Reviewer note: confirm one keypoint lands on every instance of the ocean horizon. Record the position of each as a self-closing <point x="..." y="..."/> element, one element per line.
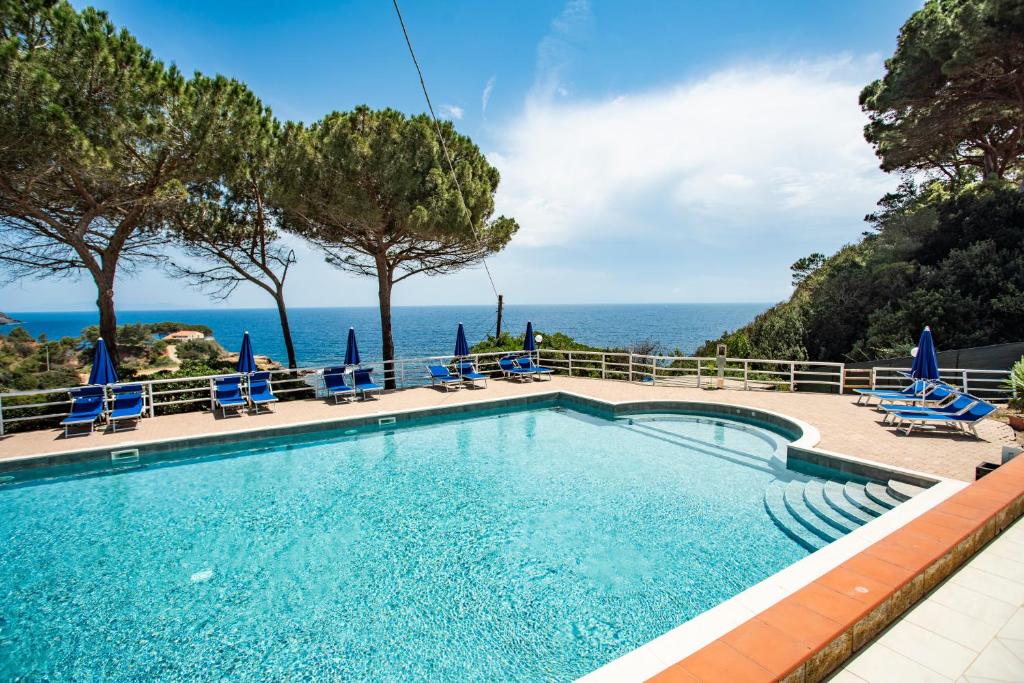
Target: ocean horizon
<point x="319" y="333"/>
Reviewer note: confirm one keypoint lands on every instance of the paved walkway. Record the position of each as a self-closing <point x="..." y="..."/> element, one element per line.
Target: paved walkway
<point x="845" y="428"/>
<point x="970" y="629"/>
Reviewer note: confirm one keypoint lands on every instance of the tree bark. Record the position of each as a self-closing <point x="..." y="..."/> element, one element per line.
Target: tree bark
<point x="108" y="317"/>
<point x="286" y="330"/>
<point x="387" y="341"/>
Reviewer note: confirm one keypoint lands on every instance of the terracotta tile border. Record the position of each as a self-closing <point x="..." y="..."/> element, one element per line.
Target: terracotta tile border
<point x="807" y="635"/>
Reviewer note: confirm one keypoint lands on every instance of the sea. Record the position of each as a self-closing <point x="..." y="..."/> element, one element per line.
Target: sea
<point x="319" y="334"/>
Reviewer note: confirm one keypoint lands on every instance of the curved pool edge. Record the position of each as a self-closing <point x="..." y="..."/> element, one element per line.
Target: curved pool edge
<point x="803" y="436"/>
<point x="687" y="638"/>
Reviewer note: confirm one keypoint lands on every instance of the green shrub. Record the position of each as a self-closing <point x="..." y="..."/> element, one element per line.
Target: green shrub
<point x="1016" y="385"/>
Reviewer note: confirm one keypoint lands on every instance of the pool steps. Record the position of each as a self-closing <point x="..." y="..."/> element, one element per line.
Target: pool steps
<point x="901" y="490"/>
<point x="835" y="494"/>
<point x="774" y="502"/>
<point x="880" y="494"/>
<point x="857" y="495"/>
<point x="814" y="512"/>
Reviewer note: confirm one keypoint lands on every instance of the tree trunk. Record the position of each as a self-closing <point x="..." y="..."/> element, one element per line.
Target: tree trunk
<point x="387" y="341"/>
<point x="108" y="318"/>
<point x="286" y="330"/>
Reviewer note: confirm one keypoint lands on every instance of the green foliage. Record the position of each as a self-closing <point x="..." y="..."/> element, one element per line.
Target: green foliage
<point x="805" y="267"/>
<point x="205" y="351"/>
<point x="1016" y="385"/>
<point x="952" y="98"/>
<point x="511" y="343"/>
<point x="230" y="224"/>
<point x="952" y="261"/>
<point x="372" y="189"/>
<point x="166" y="327"/>
<point x="27" y="364"/>
<point x="99" y="142"/>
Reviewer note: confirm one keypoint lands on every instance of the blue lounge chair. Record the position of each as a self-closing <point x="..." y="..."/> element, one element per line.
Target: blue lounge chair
<point x="966" y="420"/>
<point x="469" y="373"/>
<point x="439" y="374"/>
<point x="935" y="393"/>
<point x="510" y="369"/>
<point x="128" y="405"/>
<point x="260" y="392"/>
<point x="526" y="363"/>
<point x="959" y="405"/>
<point x="364" y="384"/>
<point x="916" y="388"/>
<point x="86" y="408"/>
<point x="227" y="393"/>
<point x="334" y="384"/>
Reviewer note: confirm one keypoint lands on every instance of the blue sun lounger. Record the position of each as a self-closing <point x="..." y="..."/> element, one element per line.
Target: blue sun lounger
<point x="961" y="404"/>
<point x="937" y="393"/>
<point x="439" y="375"/>
<point x="128" y="405"/>
<point x="966" y="421"/>
<point x="227" y="393"/>
<point x="86" y="408"/>
<point x="469" y="373"/>
<point x="364" y="384"/>
<point x="916" y="388"/>
<point x="334" y="384"/>
<point x="510" y="369"/>
<point x="526" y="363"/>
<point x="260" y="392"/>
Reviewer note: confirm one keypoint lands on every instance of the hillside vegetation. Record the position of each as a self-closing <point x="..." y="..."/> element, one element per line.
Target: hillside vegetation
<point x="945" y="249"/>
<point x="950" y="260"/>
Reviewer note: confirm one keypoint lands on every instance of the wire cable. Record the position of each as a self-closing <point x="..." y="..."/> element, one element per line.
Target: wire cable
<point x="440" y="137"/>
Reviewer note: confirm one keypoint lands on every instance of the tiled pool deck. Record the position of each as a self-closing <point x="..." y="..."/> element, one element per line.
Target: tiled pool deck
<point x="844" y="427"/>
<point x="803" y="622"/>
<point x="970" y="629"/>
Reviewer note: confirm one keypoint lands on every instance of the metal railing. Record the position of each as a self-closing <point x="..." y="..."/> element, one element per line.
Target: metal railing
<point x="182" y="394"/>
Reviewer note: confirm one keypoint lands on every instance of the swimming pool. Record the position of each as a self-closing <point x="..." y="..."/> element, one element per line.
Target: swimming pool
<point x="531" y="544"/>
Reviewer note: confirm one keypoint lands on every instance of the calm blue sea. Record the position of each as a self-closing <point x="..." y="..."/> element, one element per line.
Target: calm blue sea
<point x="319" y="333"/>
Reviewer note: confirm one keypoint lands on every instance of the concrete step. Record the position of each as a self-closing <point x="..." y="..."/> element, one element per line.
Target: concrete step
<point x="878" y="493"/>
<point x="835" y="494"/>
<point x="775" y="504"/>
<point x="901" y="490"/>
<point x="814" y="497"/>
<point x="794" y="499"/>
<point x="858" y="497"/>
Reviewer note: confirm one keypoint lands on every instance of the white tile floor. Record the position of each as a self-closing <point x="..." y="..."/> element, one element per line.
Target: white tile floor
<point x="969" y="630"/>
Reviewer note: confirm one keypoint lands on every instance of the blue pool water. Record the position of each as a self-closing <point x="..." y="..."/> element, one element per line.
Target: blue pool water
<point x="531" y="545"/>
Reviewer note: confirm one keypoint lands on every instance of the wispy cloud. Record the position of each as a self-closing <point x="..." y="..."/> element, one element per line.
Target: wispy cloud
<point x="485" y="97"/>
<point x="764" y="151"/>
<point x="451" y="111"/>
<point x="559" y="48"/>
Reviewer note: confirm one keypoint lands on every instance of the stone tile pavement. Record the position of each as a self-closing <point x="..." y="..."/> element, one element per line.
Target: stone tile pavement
<point x="970" y="629"/>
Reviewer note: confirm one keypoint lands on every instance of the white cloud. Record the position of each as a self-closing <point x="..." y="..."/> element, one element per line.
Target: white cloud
<point x="451" y="111"/>
<point x="557" y="51"/>
<point x="485" y="97"/>
<point x="743" y="152"/>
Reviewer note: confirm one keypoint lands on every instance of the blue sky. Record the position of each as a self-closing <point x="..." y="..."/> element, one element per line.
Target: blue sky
<point x="652" y="152"/>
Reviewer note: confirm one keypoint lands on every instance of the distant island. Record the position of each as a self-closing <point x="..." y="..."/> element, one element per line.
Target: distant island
<point x="7" y="320"/>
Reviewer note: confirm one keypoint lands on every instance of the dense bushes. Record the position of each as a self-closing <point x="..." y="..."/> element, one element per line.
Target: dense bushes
<point x="952" y="261"/>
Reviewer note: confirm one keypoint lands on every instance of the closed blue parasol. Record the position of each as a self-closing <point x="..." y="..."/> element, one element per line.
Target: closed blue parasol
<point x="246" y="362"/>
<point x="351" y="349"/>
<point x="461" y="347"/>
<point x="528" y="343"/>
<point x="926" y="363"/>
<point x="102" y="367"/>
